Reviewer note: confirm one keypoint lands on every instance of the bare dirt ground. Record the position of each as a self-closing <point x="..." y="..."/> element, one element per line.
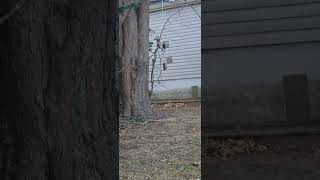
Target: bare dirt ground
<point x="168" y="147"/>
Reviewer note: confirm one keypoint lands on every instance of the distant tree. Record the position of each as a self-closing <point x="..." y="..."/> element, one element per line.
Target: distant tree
<point x="134" y="58"/>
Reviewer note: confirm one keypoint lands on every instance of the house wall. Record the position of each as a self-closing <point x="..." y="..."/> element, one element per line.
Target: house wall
<point x="248" y="48"/>
<point x="183" y="31"/>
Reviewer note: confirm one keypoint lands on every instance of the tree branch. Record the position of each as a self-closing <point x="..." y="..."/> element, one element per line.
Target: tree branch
<point x="193" y="8"/>
<point x="15" y="9"/>
<point x="132" y="4"/>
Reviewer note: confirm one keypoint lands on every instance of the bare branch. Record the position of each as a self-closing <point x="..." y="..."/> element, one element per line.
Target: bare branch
<point x="15" y="9"/>
<point x="193" y="8"/>
<point x="156" y="52"/>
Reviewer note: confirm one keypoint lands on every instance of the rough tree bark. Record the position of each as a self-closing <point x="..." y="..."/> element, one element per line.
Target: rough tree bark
<point x="59" y="106"/>
<point x="134" y="65"/>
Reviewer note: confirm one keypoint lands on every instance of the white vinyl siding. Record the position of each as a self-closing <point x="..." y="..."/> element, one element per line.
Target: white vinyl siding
<point x="183" y="31"/>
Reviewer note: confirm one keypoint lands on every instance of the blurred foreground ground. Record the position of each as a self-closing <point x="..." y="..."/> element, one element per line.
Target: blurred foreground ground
<point x="263" y="158"/>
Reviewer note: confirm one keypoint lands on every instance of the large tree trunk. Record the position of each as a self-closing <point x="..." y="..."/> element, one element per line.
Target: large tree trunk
<point x="134" y="60"/>
<point x="59" y="114"/>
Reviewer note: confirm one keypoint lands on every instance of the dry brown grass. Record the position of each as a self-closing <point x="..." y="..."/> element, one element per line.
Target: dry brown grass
<point x="165" y="148"/>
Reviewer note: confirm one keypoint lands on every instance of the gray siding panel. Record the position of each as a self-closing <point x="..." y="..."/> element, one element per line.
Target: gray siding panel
<point x="255" y="23"/>
<point x="260" y="39"/>
<point x="262" y="14"/>
<point x="239" y="28"/>
<point x="232" y="5"/>
<point x="183" y="32"/>
<point x="248" y="46"/>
